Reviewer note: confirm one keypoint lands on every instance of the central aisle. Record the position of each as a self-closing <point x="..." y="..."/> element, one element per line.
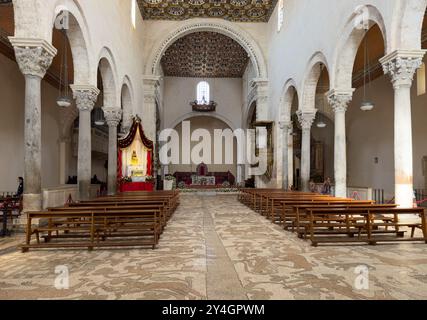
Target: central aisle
<point x="215" y="248"/>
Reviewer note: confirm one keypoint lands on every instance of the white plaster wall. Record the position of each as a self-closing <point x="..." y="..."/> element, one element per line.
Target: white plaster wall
<point x="209" y="124"/>
<point x="12" y="128"/>
<point x="179" y="92"/>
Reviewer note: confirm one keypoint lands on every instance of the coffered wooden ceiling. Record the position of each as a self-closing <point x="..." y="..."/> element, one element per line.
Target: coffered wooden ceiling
<point x="205" y="55"/>
<point x="232" y="10"/>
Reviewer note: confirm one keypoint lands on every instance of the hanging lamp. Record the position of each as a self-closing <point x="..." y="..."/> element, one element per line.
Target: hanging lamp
<point x="366" y="104"/>
<point x="64" y="99"/>
<point x="320" y="123"/>
<point x="99" y="118"/>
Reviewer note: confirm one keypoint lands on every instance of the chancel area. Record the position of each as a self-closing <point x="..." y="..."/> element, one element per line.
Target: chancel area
<point x="213" y="150"/>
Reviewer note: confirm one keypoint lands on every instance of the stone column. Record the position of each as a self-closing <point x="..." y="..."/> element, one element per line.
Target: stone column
<point x="240" y="174"/>
<point x="151" y="83"/>
<point x="261" y="87"/>
<point x="339" y="101"/>
<point x="149" y="117"/>
<point x="284" y="126"/>
<point x="261" y="96"/>
<point x="401" y="65"/>
<point x="64" y="145"/>
<point x="306" y="119"/>
<point x="34" y="57"/>
<point x="113" y="117"/>
<point x="86" y="96"/>
<point x="290" y="155"/>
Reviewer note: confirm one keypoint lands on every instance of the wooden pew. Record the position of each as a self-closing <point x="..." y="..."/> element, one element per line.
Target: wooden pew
<point x="93" y="228"/>
<point x="333" y="225"/>
<point x="132" y="219"/>
<point x="301" y="217"/>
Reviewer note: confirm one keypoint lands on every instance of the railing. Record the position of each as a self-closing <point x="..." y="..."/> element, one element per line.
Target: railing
<point x="378" y="196"/>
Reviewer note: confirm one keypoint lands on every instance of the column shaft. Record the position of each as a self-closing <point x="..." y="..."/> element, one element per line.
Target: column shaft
<point x="401" y="65"/>
<point x="112" y="160"/>
<point x="403" y="161"/>
<point x="340" y="162"/>
<point x="305" y="159"/>
<point x="84" y="158"/>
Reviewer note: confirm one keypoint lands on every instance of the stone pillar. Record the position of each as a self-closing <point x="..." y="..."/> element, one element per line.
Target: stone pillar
<point x="401" y="65"/>
<point x="339" y="101"/>
<point x="240" y="174"/>
<point x="64" y="147"/>
<point x="284" y="126"/>
<point x="261" y="96"/>
<point x="306" y="119"/>
<point x="86" y="96"/>
<point x="290" y="155"/>
<point x="34" y="57"/>
<point x="113" y="117"/>
<point x="151" y="83"/>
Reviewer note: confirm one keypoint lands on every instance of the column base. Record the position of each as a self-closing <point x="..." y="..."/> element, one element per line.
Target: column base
<point x="404" y="195"/>
<point x="84" y="190"/>
<point x="32" y="202"/>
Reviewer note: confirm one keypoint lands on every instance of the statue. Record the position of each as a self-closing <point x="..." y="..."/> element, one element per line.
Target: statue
<point x="134" y="161"/>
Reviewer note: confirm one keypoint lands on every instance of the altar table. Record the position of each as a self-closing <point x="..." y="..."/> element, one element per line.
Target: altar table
<point x="136" y="186"/>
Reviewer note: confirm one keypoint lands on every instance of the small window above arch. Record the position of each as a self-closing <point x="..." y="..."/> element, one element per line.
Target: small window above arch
<point x="203" y="92"/>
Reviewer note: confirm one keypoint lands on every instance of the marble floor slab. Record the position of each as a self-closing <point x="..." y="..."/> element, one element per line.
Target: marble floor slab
<point x="215" y="248"/>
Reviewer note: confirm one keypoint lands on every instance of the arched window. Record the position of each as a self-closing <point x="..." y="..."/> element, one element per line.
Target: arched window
<point x="203" y="94"/>
<point x="281" y="15"/>
<point x="133" y="13"/>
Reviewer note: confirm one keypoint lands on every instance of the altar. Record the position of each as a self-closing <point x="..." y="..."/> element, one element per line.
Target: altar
<point x="135" y="160"/>
<point x="203" y="181"/>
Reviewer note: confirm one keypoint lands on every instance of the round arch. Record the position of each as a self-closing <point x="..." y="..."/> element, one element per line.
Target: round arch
<point x="348" y="45"/>
<point x="224" y="27"/>
<point x="311" y="79"/>
<point x="79" y="39"/>
<point x="408" y="20"/>
<point x="198" y="114"/>
<point x="126" y="95"/>
<point x="107" y="67"/>
<point x="287" y="98"/>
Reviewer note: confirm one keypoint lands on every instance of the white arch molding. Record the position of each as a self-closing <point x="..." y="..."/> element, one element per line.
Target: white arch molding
<point x="80" y="43"/>
<point x="287" y="98"/>
<point x="191" y="115"/>
<point x="222" y="27"/>
<point x="311" y="81"/>
<point x="108" y="69"/>
<point x="346" y="50"/>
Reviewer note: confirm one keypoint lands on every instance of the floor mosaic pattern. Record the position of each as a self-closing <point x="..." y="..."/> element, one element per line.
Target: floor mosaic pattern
<point x="215" y="248"/>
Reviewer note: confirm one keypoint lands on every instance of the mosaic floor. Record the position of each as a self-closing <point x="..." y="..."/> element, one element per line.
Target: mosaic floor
<point x="215" y="248"/>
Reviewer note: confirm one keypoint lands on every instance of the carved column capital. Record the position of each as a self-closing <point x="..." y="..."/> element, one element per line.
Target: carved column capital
<point x="340" y="99"/>
<point x="306" y="118"/>
<point x="34" y="56"/>
<point x="401" y="66"/>
<point x="86" y="96"/>
<point x="112" y="116"/>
